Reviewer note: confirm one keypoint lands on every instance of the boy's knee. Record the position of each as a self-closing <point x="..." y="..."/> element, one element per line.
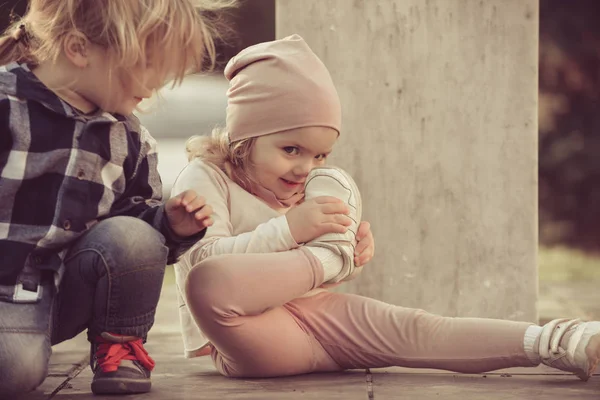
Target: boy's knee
<point x="131" y="241"/>
<point x="23" y="365"/>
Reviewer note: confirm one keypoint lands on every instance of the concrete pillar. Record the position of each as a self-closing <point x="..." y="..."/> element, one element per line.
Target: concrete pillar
<point x="440" y="130"/>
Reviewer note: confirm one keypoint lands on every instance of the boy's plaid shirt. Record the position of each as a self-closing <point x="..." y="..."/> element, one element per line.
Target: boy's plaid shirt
<point x="61" y="172"/>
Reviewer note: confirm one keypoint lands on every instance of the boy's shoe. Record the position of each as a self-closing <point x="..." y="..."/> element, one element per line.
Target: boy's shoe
<point x="120" y="364"/>
<point x="335" y="182"/>
<point x="571" y="345"/>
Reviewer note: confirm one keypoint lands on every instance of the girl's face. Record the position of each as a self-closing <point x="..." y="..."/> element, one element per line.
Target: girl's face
<point x="280" y="162"/>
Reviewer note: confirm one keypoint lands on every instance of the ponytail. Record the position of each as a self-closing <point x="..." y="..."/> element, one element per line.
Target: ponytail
<point x="15" y="46"/>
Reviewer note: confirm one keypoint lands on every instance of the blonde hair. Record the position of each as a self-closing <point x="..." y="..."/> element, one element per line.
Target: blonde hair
<point x="231" y="158"/>
<point x="175" y="36"/>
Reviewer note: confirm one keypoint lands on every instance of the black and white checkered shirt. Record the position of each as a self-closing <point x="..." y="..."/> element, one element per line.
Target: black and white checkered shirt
<point x="62" y="171"/>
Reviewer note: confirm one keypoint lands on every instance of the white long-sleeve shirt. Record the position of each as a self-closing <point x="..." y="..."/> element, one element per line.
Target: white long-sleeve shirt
<point x="242" y="224"/>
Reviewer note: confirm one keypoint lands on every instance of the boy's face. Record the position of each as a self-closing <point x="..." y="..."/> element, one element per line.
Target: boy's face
<point x="114" y="89"/>
<point x="280" y="162"/>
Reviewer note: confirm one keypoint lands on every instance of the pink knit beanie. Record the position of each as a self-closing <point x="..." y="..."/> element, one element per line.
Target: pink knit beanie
<point x="276" y="86"/>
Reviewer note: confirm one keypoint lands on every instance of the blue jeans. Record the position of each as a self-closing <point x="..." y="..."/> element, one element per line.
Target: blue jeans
<point x="112" y="283"/>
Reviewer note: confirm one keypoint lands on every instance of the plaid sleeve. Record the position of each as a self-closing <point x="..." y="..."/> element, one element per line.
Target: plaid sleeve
<point x="143" y="199"/>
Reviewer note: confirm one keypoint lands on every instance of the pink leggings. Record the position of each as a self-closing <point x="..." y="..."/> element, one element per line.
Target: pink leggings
<point x="250" y="308"/>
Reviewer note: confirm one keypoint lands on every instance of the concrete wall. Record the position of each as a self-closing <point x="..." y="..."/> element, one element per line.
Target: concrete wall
<point x="440" y="131"/>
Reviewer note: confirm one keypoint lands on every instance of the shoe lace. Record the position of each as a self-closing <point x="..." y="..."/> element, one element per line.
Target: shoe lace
<point x="109" y="355"/>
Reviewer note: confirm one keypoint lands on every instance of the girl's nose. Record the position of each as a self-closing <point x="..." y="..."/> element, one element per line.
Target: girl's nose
<point x="301" y="170"/>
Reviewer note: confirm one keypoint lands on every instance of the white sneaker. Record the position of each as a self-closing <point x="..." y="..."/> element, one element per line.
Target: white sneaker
<point x="582" y="352"/>
<point x="335" y="182"/>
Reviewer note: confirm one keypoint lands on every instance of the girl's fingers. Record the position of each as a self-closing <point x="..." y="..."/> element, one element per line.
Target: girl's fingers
<point x="327" y="199"/>
<point x="360" y="247"/>
<point x="362" y="259"/>
<point x="334" y="228"/>
<point x="341" y="219"/>
<point x="335" y="208"/>
<point x="363" y="230"/>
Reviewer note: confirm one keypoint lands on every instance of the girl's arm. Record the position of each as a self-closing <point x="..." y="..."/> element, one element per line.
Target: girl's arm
<point x="271" y="236"/>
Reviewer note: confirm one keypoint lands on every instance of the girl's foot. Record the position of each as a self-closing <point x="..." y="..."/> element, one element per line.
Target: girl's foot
<point x="571" y="345"/>
<point x="335" y="182"/>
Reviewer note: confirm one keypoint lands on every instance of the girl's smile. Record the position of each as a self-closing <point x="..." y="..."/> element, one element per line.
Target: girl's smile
<point x="291" y="185"/>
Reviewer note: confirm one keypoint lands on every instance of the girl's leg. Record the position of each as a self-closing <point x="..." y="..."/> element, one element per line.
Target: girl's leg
<point x="250" y="308"/>
<point x="360" y="332"/>
<point x="237" y="300"/>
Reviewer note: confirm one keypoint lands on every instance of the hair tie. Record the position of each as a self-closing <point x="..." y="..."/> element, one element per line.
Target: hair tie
<point x="19" y="33"/>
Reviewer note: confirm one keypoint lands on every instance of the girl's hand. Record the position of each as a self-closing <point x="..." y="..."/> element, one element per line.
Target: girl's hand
<point x="188" y="213"/>
<point x="317" y="217"/>
<point x="365" y="249"/>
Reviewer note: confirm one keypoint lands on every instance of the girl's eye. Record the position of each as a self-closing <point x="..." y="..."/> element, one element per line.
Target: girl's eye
<point x="291" y="150"/>
<point x="321" y="157"/>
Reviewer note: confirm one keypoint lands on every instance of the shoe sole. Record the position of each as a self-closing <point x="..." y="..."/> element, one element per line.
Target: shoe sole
<point x="592" y="352"/>
<point x="354" y="189"/>
<point x="120" y="386"/>
<point x="357" y="270"/>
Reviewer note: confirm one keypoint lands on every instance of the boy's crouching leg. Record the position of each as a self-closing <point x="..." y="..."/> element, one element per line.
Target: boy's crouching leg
<point x="123" y="259"/>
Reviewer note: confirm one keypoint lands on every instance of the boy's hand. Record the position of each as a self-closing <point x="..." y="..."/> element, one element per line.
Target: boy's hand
<point x="365" y="248"/>
<point x="188" y="213"/>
